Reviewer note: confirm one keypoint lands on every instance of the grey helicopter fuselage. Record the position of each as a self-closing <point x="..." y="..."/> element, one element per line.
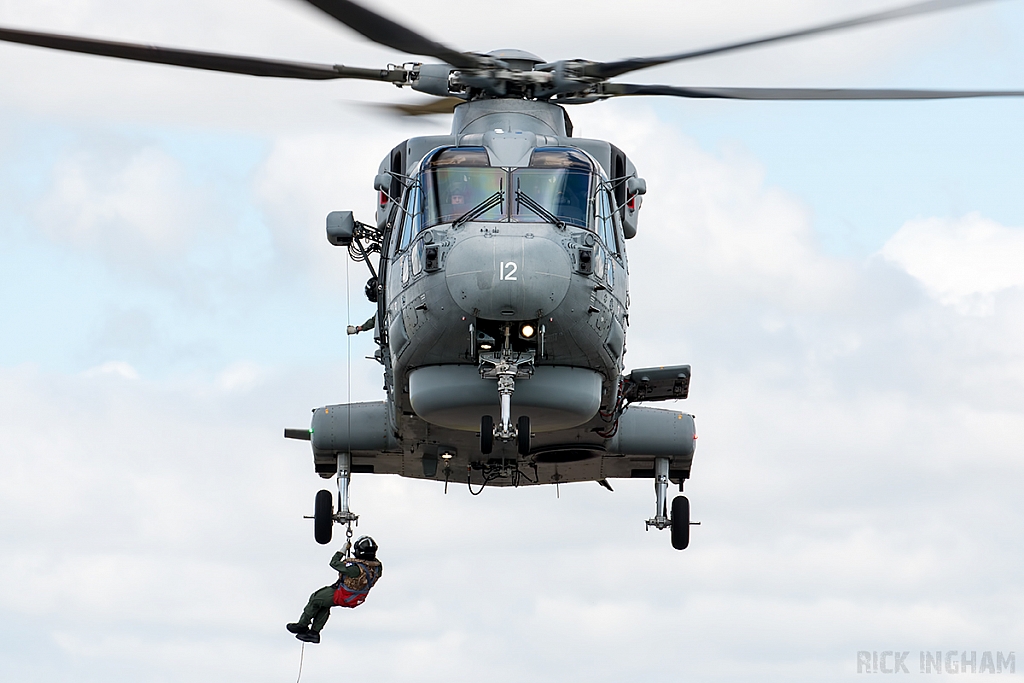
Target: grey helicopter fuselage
<point x="455" y="288"/>
<point x="539" y="275"/>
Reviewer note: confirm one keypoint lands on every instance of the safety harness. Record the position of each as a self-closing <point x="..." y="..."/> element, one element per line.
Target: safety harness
<point x="351" y="592"/>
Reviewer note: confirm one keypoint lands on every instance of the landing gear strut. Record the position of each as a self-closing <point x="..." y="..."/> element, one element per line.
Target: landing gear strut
<point x="324" y="516"/>
<point x="506" y="366"/>
<point x="506" y="370"/>
<point x="679" y="522"/>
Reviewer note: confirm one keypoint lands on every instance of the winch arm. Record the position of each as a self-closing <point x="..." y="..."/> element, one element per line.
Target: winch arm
<point x="663" y="383"/>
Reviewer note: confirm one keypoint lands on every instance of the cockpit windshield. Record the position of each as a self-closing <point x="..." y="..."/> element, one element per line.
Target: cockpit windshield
<point x="562" y="194"/>
<point x="460" y="185"/>
<point x="459" y="180"/>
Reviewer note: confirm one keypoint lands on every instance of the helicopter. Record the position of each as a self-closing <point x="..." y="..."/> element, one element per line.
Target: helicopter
<point x="497" y="263"/>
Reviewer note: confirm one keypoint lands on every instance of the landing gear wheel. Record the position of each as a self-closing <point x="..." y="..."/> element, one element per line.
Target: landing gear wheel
<point x="680" y="522"/>
<point x="523" y="435"/>
<point x="323" y="517"/>
<point x="486" y="434"/>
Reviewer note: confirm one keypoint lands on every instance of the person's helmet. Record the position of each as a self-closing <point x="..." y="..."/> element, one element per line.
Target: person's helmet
<point x="365" y="548"/>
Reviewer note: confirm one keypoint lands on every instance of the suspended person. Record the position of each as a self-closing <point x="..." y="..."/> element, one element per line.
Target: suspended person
<point x="356" y="576"/>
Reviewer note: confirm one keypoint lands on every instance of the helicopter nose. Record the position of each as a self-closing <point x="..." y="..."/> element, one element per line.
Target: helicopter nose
<point x="508" y="276"/>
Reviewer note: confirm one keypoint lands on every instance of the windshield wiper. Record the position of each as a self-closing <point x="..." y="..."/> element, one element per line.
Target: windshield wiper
<point x="535" y="206"/>
<point x="480" y="209"/>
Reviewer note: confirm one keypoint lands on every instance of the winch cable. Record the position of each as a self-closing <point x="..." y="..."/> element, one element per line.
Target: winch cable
<point x="348" y="344"/>
<point x="302" y="655"/>
<point x="348" y="377"/>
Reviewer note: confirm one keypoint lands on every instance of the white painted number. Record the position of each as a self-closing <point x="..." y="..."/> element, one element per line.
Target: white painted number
<point x="508" y="270"/>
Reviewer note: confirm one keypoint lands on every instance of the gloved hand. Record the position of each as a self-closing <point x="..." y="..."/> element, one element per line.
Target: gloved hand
<point x="353" y="329"/>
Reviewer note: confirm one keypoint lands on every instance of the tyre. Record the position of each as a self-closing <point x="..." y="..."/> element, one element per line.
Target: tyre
<point x="523" y="435"/>
<point x="486" y="434"/>
<point x="323" y="517"/>
<point x="680" y="522"/>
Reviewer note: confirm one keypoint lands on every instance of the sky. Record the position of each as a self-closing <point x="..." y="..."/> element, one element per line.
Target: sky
<point x="844" y="279"/>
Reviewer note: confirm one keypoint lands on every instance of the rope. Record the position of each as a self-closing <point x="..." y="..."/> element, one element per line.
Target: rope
<point x="302" y="655"/>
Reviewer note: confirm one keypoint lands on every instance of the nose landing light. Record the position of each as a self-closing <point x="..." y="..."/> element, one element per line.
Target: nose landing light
<point x="484" y="341"/>
<point x="527" y="331"/>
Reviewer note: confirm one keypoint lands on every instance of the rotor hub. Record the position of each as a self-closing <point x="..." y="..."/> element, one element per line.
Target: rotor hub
<point x="517" y="60"/>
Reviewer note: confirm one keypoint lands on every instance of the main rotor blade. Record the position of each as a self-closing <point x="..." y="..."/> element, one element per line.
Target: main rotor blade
<point x="444" y="105"/>
<point x="627" y="89"/>
<point x="612" y="69"/>
<point x="210" y="61"/>
<point x="384" y="31"/>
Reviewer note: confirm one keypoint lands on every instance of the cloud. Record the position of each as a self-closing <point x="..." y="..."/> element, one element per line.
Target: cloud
<point x="962" y="262"/>
<point x="122" y="202"/>
<point x="305" y="177"/>
<point x="240" y="376"/>
<point x="722" y="259"/>
<point x="117" y="368"/>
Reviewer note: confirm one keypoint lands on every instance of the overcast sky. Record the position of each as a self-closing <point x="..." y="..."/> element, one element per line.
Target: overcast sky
<point x="844" y="278"/>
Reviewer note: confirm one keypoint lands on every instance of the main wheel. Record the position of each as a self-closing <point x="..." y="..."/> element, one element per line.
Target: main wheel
<point x="323" y="517"/>
<point x="680" y="522"/>
<point x="523" y="435"/>
<point x="486" y="434"/>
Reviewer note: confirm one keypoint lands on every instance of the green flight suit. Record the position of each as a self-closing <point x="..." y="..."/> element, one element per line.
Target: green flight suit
<point x="318" y="609"/>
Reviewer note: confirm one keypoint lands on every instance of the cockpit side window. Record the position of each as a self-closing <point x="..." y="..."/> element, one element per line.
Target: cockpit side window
<point x="411" y="217"/>
<point x="604" y="221"/>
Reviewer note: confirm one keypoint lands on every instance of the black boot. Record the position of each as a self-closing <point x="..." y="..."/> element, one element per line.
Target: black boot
<point x="309" y="636"/>
<point x="296" y="628"/>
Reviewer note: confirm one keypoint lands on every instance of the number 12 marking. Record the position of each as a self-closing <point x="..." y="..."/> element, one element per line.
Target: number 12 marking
<point x="508" y="270"/>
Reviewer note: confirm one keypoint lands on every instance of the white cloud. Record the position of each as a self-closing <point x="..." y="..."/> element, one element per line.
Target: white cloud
<point x="962" y="262"/>
<point x="241" y="376"/>
<point x="103" y="200"/>
<point x="118" y="368"/>
<point x="722" y="259"/>
<point x="304" y="178"/>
